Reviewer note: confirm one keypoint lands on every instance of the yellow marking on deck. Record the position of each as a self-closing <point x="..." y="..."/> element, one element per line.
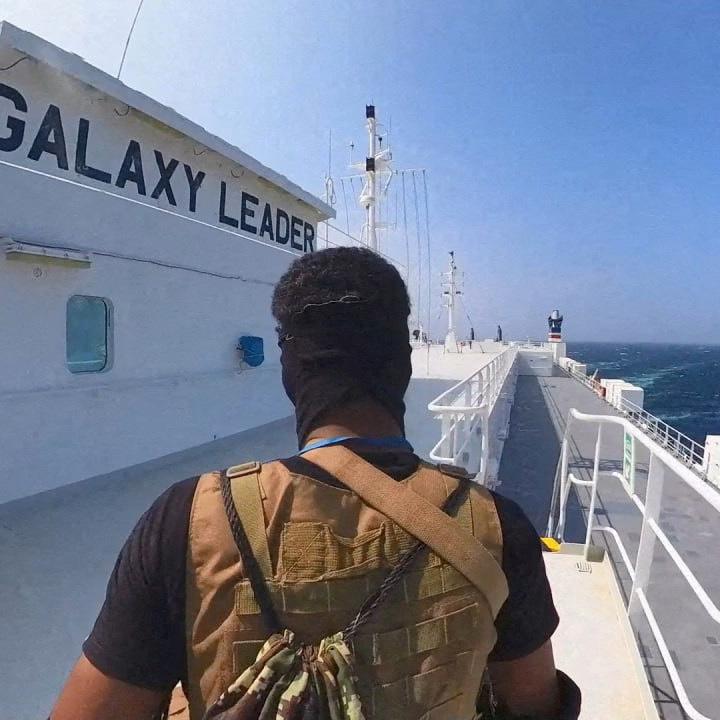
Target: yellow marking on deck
<point x="550" y="544"/>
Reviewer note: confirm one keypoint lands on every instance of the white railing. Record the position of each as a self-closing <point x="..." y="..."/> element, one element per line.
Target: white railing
<point x="529" y="344"/>
<point x="585" y="379"/>
<point x="466" y="410"/>
<point x="649" y="506"/>
<point x="684" y="448"/>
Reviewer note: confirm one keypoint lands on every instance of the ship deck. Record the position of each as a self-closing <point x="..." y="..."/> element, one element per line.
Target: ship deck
<point x="59" y="547"/>
<point x="529" y="460"/>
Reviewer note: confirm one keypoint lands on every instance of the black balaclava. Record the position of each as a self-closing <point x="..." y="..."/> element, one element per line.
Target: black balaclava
<point x="341" y="351"/>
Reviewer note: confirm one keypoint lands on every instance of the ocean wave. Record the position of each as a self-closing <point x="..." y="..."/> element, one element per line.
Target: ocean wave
<point x="681" y="383"/>
<point x="647" y="379"/>
<point x="670" y="419"/>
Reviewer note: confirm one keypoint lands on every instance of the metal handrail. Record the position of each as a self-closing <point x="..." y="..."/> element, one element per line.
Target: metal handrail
<point x="529" y="344"/>
<point x="660" y="459"/>
<point x="585" y="379"/>
<point x="683" y="447"/>
<point x="464" y="411"/>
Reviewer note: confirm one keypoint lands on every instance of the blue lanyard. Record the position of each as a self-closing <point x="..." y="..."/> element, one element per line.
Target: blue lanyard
<point x="384" y="442"/>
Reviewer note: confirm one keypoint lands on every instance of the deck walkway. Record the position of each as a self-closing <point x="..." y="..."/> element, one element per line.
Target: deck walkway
<point x="528" y="465"/>
<point x="610" y="673"/>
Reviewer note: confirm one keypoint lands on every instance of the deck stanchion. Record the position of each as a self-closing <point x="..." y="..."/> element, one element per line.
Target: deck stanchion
<point x="485" y="439"/>
<point x="593" y="493"/>
<point x="445" y="430"/>
<point x="653" y="500"/>
<point x="560" y="473"/>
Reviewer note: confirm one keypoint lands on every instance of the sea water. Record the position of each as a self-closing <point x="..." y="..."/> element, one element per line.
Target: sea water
<point x="681" y="382"/>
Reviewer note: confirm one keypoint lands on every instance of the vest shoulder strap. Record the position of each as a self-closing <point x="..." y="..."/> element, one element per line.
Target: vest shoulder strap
<point x="246" y="494"/>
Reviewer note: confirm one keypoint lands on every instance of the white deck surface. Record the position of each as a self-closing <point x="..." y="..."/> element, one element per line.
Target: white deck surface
<point x="434" y="362"/>
<point x="594" y="643"/>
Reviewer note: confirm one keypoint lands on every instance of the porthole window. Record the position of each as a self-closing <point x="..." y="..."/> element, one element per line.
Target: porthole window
<point x="87" y="334"/>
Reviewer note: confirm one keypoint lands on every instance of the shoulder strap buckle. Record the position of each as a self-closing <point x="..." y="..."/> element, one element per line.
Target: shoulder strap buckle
<point x="455" y="471"/>
<point x="243" y="469"/>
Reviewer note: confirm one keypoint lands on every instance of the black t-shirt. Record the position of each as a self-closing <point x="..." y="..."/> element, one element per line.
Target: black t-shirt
<point x="139" y="635"/>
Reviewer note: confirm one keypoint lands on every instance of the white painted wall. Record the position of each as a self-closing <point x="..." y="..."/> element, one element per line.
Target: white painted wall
<point x="175" y="379"/>
<point x="571" y="365"/>
<point x="535" y="362"/>
<point x="631" y="393"/>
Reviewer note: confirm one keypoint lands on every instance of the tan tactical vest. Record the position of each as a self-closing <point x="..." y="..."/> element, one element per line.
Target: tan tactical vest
<point x="422" y="654"/>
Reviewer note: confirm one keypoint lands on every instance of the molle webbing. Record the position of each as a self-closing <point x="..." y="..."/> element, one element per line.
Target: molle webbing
<point x="419" y="658"/>
<point x="391" y="646"/>
<point x="323" y="596"/>
<point x="423" y="519"/>
<point x="456" y="628"/>
<point x="432" y="689"/>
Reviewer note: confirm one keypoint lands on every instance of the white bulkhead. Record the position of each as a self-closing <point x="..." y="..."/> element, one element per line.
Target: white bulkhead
<point x="114" y="200"/>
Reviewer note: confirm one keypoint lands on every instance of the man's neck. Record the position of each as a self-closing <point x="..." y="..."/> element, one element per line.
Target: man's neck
<point x="364" y="419"/>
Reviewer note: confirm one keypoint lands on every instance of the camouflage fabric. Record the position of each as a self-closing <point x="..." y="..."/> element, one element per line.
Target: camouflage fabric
<point x="292" y="681"/>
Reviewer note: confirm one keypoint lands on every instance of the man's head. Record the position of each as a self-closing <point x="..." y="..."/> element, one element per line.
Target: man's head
<point x="342" y="320"/>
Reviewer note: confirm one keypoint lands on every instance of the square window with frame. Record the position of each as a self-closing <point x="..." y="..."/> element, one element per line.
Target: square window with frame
<point x="87" y="334"/>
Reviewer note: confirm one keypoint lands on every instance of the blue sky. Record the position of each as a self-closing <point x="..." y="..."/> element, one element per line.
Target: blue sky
<point x="572" y="148"/>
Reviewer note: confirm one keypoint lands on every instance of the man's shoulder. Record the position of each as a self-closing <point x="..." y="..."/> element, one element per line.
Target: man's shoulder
<point x="168" y="517"/>
<point x="142" y="618"/>
<point x="177" y="496"/>
<point x="512" y="514"/>
<point x="521" y="541"/>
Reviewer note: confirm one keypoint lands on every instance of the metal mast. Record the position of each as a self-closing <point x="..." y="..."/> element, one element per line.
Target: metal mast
<point x="329" y="189"/>
<point x="377" y="162"/>
<point x="450" y="282"/>
<point x="370" y="179"/>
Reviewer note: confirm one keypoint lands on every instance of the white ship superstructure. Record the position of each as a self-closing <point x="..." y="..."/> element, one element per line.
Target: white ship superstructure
<point x="137" y="349"/>
<point x="136" y="250"/>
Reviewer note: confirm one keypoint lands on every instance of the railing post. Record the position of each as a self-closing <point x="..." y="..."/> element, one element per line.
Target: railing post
<point x="653" y="501"/>
<point x="484" y="446"/>
<point x="564" y="488"/>
<point x="445" y="425"/>
<point x="593" y="492"/>
<point x="453" y="435"/>
<point x="556" y="501"/>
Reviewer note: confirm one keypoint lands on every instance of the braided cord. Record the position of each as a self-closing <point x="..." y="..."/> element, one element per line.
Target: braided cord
<point x="250" y="564"/>
<point x="369" y="606"/>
